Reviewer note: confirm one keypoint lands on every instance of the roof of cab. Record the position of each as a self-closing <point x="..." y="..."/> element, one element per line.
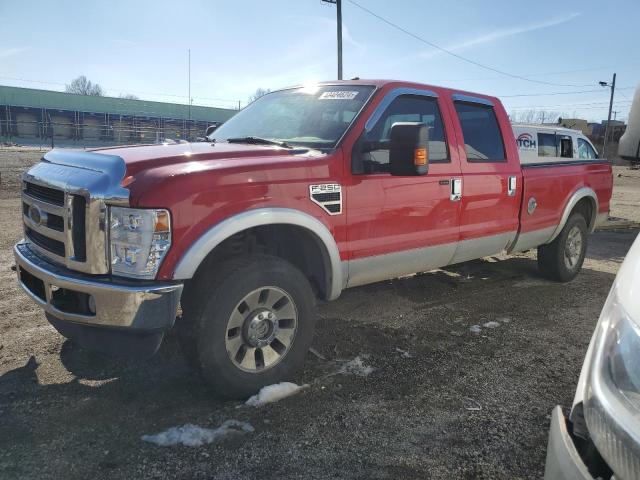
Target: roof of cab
<point x="380" y="83"/>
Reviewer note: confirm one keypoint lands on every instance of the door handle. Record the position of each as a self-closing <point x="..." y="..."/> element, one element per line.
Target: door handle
<point x="512" y="183"/>
<point x="456" y="189"/>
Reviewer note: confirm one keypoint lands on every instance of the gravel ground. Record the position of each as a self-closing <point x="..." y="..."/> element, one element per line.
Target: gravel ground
<point x="441" y="402"/>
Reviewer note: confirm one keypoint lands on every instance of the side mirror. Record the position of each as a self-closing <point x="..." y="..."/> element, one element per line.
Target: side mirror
<point x="210" y="129"/>
<point x="409" y="149"/>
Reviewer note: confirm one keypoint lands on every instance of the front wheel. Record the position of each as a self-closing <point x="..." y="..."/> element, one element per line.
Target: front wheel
<point x="254" y="322"/>
<point x="562" y="259"/>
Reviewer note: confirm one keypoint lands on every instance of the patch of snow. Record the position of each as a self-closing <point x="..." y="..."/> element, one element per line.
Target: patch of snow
<point x="491" y="325"/>
<point x="404" y="353"/>
<point x="356" y="367"/>
<point x="475" y="329"/>
<point x="273" y="393"/>
<point x="194" y="436"/>
<point x="504" y="319"/>
<point x="471" y="404"/>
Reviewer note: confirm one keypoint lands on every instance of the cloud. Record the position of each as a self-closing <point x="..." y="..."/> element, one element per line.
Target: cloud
<point x="502" y="34"/>
<point x="11" y="52"/>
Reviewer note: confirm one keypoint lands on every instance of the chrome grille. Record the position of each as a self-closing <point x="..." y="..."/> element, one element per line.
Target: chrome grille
<point x="65" y="202"/>
<point x="54" y="222"/>
<point x="46" y="194"/>
<point x="54" y="246"/>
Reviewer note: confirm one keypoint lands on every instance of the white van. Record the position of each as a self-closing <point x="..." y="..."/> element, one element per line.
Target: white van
<point x="550" y="144"/>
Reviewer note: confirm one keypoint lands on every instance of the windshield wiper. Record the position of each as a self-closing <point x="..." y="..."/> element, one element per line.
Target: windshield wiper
<point x="258" y="141"/>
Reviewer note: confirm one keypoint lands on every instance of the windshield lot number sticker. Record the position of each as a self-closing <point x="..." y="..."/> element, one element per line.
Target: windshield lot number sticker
<point x="338" y="95"/>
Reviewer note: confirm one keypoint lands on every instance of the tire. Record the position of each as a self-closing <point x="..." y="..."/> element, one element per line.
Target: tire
<point x="562" y="259"/>
<point x="251" y="322"/>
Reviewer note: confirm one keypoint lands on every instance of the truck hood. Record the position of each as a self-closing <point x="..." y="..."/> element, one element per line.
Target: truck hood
<point x="143" y="157"/>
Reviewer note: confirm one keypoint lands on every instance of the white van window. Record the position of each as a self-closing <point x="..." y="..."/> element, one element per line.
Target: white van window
<point x="586" y="151"/>
<point x="565" y="146"/>
<point x="547" y="145"/>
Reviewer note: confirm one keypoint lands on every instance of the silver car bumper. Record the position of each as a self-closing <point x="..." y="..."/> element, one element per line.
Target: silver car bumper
<point x="99" y="302"/>
<point x="563" y="460"/>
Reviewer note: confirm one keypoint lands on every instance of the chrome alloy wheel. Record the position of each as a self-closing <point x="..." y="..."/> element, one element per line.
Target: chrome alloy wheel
<point x="261" y="329"/>
<point x="573" y="248"/>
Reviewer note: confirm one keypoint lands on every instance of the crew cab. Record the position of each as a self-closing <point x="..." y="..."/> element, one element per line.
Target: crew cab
<point x="306" y="192"/>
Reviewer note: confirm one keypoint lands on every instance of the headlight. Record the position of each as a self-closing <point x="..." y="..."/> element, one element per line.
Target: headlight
<point x="612" y="404"/>
<point x="138" y="239"/>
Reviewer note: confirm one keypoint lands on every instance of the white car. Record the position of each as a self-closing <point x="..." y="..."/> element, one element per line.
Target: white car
<point x="601" y="438"/>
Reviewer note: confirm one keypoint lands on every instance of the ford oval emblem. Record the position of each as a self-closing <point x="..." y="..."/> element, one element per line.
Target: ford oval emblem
<point x="35" y="215"/>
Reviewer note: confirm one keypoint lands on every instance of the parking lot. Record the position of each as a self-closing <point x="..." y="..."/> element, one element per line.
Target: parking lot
<point x="441" y="399"/>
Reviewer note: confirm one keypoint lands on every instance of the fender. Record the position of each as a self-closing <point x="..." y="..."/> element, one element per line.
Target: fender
<point x="573" y="201"/>
<point x="197" y="252"/>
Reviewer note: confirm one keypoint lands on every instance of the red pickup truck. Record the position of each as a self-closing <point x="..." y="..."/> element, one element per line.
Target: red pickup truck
<point x="306" y="192"/>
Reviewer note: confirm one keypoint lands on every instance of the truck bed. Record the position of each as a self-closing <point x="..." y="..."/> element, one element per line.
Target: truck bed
<point x="552" y="186"/>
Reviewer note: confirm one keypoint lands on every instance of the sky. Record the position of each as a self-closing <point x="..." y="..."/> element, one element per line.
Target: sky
<point x="140" y="47"/>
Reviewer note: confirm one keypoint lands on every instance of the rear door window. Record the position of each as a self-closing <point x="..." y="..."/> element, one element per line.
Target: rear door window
<point x="547" y="145"/>
<point x="481" y="132"/>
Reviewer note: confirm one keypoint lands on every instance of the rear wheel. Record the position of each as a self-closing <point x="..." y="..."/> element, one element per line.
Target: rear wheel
<point x="252" y="322"/>
<point x="562" y="259"/>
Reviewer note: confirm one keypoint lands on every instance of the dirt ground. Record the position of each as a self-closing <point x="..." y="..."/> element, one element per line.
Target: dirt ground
<point x="442" y="402"/>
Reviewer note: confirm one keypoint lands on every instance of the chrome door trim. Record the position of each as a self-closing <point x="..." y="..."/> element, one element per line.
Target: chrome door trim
<point x="532" y="239"/>
<point x="475" y="248"/>
<point x="376" y="268"/>
<point x="460" y="97"/>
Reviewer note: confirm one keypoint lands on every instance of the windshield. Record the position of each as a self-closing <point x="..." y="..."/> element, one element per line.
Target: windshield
<point x="314" y="117"/>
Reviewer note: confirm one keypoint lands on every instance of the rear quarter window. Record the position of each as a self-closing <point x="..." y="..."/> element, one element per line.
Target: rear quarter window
<point x="585" y="151"/>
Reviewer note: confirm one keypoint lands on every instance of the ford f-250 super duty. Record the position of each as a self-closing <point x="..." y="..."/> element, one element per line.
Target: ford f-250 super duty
<point x="304" y="193"/>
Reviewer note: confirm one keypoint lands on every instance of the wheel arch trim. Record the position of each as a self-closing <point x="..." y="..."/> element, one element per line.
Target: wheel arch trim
<point x="198" y="251"/>
<point x="581" y="193"/>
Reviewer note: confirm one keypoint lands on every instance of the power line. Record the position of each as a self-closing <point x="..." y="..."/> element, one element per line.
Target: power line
<point x="559" y="93"/>
<point x="620" y="103"/>
<point x="459" y="57"/>
<point x="544" y="74"/>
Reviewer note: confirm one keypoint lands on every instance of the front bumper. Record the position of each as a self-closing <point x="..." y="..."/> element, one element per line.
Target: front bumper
<point x="68" y="296"/>
<point x="563" y="460"/>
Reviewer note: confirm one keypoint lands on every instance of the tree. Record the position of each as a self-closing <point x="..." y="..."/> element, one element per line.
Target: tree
<point x="129" y="96"/>
<point x="534" y="116"/>
<point x="258" y="93"/>
<point x="84" y="86"/>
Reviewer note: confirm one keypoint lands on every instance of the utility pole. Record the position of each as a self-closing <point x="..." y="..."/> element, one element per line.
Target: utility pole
<point x="611" y="85"/>
<point x="338" y="4"/>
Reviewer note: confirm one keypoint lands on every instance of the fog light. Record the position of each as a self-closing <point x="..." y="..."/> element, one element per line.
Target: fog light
<point x="91" y="304"/>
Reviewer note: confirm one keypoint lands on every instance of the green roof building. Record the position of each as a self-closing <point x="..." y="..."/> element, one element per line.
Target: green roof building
<point x="31" y="116"/>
